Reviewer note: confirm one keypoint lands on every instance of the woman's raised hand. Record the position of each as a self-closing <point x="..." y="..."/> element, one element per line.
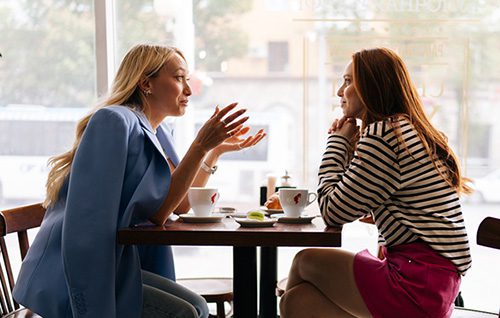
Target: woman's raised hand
<point x="237" y="142"/>
<point x="218" y="129"/>
<point x="346" y="127"/>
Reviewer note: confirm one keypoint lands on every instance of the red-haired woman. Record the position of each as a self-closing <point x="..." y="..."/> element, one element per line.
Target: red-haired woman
<point x="400" y="169"/>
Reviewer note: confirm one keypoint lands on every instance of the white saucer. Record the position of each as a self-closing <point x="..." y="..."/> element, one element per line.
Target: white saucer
<point x="303" y="219"/>
<point x="271" y="211"/>
<point x="244" y="222"/>
<point x="212" y="218"/>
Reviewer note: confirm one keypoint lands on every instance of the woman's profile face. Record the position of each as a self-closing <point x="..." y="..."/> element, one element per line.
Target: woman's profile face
<point x="349" y="100"/>
<point x="170" y="88"/>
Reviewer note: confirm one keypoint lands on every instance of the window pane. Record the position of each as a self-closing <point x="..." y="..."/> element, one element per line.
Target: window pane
<point x="48" y="63"/>
<point x="139" y="22"/>
<point x="278" y="56"/>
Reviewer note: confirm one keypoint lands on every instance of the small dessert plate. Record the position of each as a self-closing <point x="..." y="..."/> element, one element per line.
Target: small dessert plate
<point x="303" y="219"/>
<point x="238" y="215"/>
<point x="244" y="222"/>
<point x="245" y="214"/>
<point x="212" y="218"/>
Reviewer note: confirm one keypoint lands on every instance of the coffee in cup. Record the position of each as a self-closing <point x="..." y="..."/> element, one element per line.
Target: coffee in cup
<point x="202" y="200"/>
<point x="294" y="201"/>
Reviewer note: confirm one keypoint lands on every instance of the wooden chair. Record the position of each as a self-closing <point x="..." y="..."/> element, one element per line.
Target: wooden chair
<point x="488" y="234"/>
<point x="17" y="220"/>
<point x="214" y="290"/>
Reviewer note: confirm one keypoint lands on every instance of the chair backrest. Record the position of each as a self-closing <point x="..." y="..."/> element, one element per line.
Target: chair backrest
<point x="488" y="233"/>
<point x="17" y="220"/>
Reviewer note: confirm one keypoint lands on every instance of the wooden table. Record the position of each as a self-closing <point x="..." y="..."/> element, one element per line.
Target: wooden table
<point x="245" y="242"/>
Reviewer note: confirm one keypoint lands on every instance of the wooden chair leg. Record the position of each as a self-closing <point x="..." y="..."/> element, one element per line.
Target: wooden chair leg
<point x="221" y="312"/>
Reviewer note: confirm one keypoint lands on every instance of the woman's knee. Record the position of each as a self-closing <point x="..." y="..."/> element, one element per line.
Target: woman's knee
<point x="159" y="304"/>
<point x="172" y="288"/>
<point x="303" y="260"/>
<point x="302" y="257"/>
<point x="199" y="303"/>
<point x="201" y="306"/>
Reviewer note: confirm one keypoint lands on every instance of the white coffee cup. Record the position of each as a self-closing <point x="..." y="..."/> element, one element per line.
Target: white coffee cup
<point x="294" y="200"/>
<point x="202" y="200"/>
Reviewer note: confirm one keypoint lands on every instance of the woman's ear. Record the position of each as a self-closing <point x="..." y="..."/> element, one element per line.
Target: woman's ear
<point x="145" y="86"/>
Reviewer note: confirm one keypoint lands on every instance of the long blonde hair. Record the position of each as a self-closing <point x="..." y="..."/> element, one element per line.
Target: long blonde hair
<point x="384" y="86"/>
<point x="142" y="61"/>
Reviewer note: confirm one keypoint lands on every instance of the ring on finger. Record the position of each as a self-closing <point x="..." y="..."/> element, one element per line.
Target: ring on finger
<point x="224" y="122"/>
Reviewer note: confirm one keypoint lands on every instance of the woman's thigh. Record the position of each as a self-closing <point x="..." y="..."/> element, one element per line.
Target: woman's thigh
<point x="331" y="271"/>
<point x="177" y="290"/>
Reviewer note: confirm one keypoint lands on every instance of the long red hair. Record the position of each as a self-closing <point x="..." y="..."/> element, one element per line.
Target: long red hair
<point x="384" y="86"/>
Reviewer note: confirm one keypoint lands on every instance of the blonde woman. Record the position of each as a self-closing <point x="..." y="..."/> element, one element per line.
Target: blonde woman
<point x="117" y="174"/>
<point x="400" y="169"/>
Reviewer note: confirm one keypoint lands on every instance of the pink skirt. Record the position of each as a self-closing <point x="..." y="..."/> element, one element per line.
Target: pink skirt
<point x="412" y="281"/>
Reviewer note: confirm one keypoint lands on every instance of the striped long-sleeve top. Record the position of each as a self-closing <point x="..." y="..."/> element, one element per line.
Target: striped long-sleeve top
<point x="395" y="180"/>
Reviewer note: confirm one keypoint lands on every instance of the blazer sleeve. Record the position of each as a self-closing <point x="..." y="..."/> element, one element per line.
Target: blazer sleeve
<point x="92" y="213"/>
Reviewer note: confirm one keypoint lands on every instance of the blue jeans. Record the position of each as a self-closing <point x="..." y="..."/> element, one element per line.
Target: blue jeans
<point x="163" y="298"/>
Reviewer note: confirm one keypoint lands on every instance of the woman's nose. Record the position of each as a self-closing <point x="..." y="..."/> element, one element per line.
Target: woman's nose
<point x="340" y="91"/>
<point x="187" y="89"/>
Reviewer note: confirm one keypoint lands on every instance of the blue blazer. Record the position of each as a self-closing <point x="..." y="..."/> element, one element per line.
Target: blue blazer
<point x="75" y="268"/>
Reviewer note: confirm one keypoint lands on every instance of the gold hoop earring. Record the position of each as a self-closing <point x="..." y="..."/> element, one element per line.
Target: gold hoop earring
<point x="148" y="92"/>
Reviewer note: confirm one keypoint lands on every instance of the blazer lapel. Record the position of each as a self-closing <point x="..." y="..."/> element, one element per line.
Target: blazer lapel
<point x="164" y="135"/>
<point x="146" y="126"/>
